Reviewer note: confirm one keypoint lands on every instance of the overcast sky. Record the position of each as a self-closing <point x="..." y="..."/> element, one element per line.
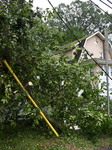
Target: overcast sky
<point x="44" y="3"/>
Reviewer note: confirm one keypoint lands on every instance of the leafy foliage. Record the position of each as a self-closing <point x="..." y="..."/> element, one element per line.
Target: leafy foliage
<point x="27" y="42"/>
<point x="82" y="18"/>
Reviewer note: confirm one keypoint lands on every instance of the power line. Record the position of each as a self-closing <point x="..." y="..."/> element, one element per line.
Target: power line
<point x="105" y="4"/>
<point x="109" y="1"/>
<point x="80" y="44"/>
<point x="102" y="10"/>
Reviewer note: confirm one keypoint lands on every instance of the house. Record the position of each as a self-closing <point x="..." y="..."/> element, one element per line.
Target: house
<point x="94" y="44"/>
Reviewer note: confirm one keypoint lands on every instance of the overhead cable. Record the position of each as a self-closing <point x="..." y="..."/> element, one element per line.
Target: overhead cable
<point x="109" y="1"/>
<point x="105" y="4"/>
<point x="78" y="40"/>
<point x="102" y="10"/>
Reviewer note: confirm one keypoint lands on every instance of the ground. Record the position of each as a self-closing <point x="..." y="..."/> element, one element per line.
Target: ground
<point x="34" y="139"/>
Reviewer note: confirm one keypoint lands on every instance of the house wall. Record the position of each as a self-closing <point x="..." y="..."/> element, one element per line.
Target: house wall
<point x="95" y="46"/>
<point x="70" y="53"/>
<point x="102" y="78"/>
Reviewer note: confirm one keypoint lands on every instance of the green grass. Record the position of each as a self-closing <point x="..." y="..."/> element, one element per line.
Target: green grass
<point x="30" y="139"/>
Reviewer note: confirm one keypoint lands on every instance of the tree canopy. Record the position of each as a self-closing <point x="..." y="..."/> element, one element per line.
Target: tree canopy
<point x="28" y="40"/>
<point x="83" y="18"/>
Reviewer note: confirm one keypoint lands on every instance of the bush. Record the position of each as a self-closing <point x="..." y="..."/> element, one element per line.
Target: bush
<point x="94" y="123"/>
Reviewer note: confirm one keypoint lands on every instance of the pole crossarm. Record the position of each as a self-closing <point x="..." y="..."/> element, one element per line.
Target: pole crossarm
<point x="30" y="98"/>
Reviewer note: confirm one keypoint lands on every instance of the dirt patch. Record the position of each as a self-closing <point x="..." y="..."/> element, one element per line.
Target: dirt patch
<point x="70" y="147"/>
<point x="105" y="147"/>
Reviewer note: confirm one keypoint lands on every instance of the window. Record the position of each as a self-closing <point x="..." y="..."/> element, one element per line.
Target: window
<point x="101" y="55"/>
<point x="91" y="71"/>
<point x="85" y="55"/>
<point x="111" y="70"/>
<point x="101" y="71"/>
<point x="105" y="69"/>
<point x="96" y="42"/>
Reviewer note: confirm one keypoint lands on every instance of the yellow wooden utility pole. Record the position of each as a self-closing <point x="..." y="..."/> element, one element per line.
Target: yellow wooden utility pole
<point x="30" y="98"/>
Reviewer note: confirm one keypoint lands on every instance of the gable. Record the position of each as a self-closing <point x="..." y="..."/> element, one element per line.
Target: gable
<point x="95" y="46"/>
<point x="93" y="43"/>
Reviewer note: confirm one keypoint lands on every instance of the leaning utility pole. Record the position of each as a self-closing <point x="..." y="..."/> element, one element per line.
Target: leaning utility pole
<point x="107" y="67"/>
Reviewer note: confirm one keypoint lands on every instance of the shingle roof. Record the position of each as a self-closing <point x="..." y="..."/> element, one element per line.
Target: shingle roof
<point x="72" y="45"/>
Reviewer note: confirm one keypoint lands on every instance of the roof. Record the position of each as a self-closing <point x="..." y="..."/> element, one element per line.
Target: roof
<point x="72" y="45"/>
<point x="83" y="40"/>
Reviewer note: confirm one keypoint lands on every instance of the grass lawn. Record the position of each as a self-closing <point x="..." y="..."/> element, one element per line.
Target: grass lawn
<point x="30" y="139"/>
